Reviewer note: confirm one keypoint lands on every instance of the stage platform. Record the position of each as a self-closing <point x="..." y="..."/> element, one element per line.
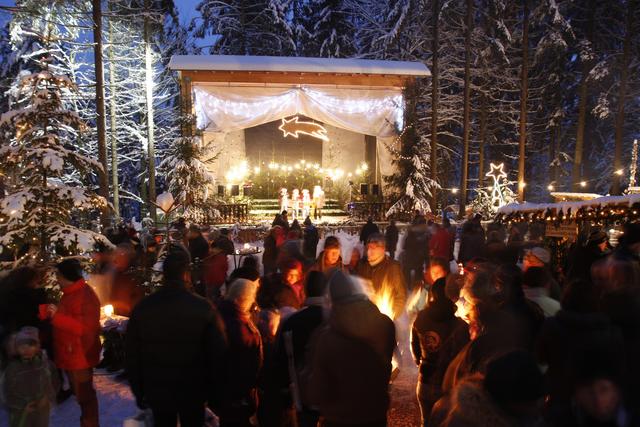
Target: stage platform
<point x="266" y="210"/>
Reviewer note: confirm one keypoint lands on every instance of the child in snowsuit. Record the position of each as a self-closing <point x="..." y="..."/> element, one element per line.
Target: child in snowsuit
<point x="30" y="382"/>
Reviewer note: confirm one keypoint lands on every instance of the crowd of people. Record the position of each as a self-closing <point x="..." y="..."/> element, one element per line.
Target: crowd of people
<point x="503" y="332"/>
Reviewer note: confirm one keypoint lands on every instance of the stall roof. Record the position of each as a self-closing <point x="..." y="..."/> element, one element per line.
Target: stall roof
<point x="284" y="64"/>
<point x="628" y="199"/>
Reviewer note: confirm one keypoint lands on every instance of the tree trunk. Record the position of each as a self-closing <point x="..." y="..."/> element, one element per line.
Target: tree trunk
<point x="524" y="93"/>
<point x="552" y="153"/>
<point x="558" y="139"/>
<point x="151" y="155"/>
<point x="103" y="182"/>
<point x="435" y="89"/>
<point x="112" y="118"/>
<point x="466" y="124"/>
<point x="483" y="138"/>
<point x="576" y="173"/>
<point x="622" y="93"/>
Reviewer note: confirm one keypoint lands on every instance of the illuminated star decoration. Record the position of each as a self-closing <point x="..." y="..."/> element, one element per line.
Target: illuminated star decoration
<point x="497" y="173"/>
<point x="294" y="127"/>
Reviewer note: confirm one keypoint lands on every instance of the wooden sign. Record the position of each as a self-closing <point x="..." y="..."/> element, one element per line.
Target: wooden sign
<point x="567" y="230"/>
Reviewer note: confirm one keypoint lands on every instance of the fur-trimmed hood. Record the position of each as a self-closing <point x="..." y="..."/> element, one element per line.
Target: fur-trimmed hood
<point x="472" y="406"/>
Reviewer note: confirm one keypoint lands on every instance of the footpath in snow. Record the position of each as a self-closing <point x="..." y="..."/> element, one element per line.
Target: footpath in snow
<point x="115" y="401"/>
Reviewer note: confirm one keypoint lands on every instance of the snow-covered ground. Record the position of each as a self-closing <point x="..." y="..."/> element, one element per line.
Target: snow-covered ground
<point x="115" y="401"/>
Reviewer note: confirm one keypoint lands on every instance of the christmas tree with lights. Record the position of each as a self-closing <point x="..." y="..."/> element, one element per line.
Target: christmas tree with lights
<point x="46" y="195"/>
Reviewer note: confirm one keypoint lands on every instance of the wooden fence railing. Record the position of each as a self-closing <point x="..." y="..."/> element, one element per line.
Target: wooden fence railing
<point x="363" y="210"/>
<point x="231" y="213"/>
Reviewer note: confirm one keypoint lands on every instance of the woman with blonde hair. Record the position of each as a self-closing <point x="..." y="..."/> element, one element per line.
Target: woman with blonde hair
<point x="244" y="359"/>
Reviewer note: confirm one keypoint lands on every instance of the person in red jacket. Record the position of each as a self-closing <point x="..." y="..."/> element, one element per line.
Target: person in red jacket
<point x="76" y="340"/>
<point x="216" y="266"/>
<point x="440" y="244"/>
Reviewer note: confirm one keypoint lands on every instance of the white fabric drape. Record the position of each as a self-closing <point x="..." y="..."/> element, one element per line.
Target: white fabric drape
<point x="367" y="111"/>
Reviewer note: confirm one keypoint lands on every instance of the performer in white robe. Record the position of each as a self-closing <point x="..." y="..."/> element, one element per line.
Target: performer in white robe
<point x="318" y="202"/>
<point x="306" y="203"/>
<point x="284" y="200"/>
<point x="295" y="203"/>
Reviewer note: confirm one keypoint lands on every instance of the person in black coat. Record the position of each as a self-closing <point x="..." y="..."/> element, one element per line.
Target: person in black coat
<point x="436" y="328"/>
<point x="562" y="335"/>
<point x="20" y="297"/>
<point x="311" y="238"/>
<point x="175" y="350"/>
<point x="583" y="258"/>
<point x="416" y="251"/>
<point x="351" y="363"/>
<point x="223" y="242"/>
<point x="368" y="229"/>
<point x="198" y="245"/>
<point x="272" y="243"/>
<point x="472" y="243"/>
<point x="391" y="237"/>
<point x="301" y="327"/>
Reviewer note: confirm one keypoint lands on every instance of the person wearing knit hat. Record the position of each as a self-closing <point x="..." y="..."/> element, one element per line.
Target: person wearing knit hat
<point x="536" y="257"/>
<point x="583" y="258"/>
<point x="352" y="358"/>
<point x="244" y="358"/>
<point x="330" y="258"/>
<point x="30" y="381"/>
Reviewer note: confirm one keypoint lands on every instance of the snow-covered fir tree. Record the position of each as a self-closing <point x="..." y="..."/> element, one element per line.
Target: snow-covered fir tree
<point x="333" y="29"/>
<point x="45" y="202"/>
<point x="412" y="182"/>
<point x="238" y="27"/>
<point x="188" y="177"/>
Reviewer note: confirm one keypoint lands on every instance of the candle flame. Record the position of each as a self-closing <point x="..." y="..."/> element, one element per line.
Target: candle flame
<point x="108" y="310"/>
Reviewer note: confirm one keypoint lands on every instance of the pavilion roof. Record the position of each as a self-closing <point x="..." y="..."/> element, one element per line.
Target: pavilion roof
<point x="284" y="64"/>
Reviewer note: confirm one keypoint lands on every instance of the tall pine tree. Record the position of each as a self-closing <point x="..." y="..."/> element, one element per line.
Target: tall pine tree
<point x="47" y="196"/>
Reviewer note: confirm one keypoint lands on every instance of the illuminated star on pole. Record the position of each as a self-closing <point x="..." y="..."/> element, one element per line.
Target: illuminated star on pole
<point x="497" y="173"/>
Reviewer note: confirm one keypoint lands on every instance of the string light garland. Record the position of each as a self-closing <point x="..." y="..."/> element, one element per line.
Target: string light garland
<point x="598" y="213"/>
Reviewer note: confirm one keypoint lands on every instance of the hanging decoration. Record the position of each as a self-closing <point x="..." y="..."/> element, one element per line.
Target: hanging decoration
<point x="294" y="127"/>
<point x="497" y="193"/>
